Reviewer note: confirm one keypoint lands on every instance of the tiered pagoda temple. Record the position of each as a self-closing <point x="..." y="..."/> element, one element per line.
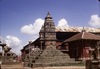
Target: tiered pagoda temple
<point x="6" y="56"/>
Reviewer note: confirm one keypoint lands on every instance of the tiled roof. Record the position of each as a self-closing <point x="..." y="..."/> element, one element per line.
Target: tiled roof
<point x="76" y="29"/>
<point x="83" y="35"/>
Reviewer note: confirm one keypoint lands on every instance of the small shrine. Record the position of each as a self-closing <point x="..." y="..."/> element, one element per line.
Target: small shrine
<point x="80" y="44"/>
<point x="6" y="56"/>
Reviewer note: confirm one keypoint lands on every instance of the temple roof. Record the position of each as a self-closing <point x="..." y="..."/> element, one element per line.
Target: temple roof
<point x="76" y="29"/>
<point x="48" y="16"/>
<point x="2" y="44"/>
<point x="83" y="35"/>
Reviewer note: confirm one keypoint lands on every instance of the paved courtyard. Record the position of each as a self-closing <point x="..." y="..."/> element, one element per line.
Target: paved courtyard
<point x="19" y="66"/>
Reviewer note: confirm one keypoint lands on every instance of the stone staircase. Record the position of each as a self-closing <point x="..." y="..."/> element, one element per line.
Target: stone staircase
<point x="35" y="54"/>
<point x="52" y="57"/>
<point x="49" y="57"/>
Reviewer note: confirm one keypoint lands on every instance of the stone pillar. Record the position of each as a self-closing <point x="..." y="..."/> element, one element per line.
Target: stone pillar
<point x="98" y="53"/>
<point x="41" y="45"/>
<point x="3" y="56"/>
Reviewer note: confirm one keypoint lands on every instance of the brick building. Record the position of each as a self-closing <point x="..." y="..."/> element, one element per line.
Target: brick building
<point x="59" y="37"/>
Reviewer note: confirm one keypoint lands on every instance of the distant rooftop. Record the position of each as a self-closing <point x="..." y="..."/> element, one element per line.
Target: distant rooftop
<point x="76" y="29"/>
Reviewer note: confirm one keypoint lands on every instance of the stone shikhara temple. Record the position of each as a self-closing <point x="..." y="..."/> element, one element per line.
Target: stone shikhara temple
<point x="71" y="45"/>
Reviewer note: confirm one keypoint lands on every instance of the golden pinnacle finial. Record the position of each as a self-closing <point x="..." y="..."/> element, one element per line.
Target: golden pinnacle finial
<point x="48" y="14"/>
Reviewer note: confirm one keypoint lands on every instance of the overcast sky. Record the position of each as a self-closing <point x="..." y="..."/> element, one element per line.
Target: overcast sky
<point x="21" y="20"/>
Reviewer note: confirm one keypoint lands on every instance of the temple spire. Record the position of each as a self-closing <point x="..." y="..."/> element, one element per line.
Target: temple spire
<point x="48" y="15"/>
<point x="47" y="33"/>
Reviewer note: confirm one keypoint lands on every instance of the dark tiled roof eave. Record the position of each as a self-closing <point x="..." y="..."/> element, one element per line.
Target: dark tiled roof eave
<point x="79" y="40"/>
<point x="84" y="36"/>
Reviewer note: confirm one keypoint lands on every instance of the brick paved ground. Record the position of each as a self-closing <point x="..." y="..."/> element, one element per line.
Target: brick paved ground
<point x="62" y="67"/>
<point x="19" y="66"/>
